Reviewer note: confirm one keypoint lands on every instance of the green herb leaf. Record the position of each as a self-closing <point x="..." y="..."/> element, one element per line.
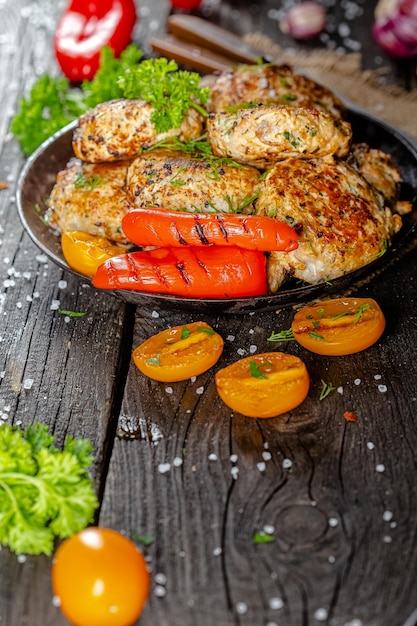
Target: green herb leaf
<point x="144" y="540"/>
<point x="72" y="313"/>
<point x="262" y="537"/>
<point x="326" y="389"/>
<point x="282" y="335"/>
<point x="255" y="370"/>
<point x="45" y="492"/>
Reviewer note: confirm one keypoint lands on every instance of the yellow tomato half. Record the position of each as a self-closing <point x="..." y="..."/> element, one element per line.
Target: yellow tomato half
<point x="179" y="352"/>
<point x="100" y="578"/>
<point x="264" y="385"/>
<point x="340" y="326"/>
<point x="84" y="252"/>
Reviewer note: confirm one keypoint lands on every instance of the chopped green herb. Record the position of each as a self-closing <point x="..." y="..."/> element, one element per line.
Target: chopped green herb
<point x="255" y="369"/>
<point x="185" y="332"/>
<point x="88" y="183"/>
<point x="72" y="313"/>
<point x="282" y="335"/>
<point x="262" y="537"/>
<point x="317" y="336"/>
<point x="144" y="540"/>
<point x="326" y="389"/>
<point x="154" y="360"/>
<point x="45" y="492"/>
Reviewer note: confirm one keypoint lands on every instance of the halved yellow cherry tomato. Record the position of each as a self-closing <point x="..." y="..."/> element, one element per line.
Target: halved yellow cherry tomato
<point x="100" y="578"/>
<point x="84" y="252"/>
<point x="179" y="352"/>
<point x="340" y="326"/>
<point x="264" y="385"/>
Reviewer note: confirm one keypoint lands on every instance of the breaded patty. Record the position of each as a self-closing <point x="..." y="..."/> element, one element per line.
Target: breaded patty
<point x="263" y="135"/>
<point x="270" y="84"/>
<point x="172" y="179"/>
<point x="121" y="129"/>
<point x="342" y="221"/>
<point x="91" y="198"/>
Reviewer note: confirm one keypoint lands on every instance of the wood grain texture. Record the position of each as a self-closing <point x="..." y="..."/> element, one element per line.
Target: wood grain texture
<point x="172" y="461"/>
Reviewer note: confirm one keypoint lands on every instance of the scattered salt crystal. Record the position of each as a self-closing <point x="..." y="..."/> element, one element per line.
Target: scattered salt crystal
<point x="163" y="468"/>
<point x="261" y="466"/>
<point x="340" y="390"/>
<point x="169" y="390"/>
<point x="380" y="467"/>
<point x="230" y="338"/>
<point x="177" y="462"/>
<point x="357" y="381"/>
<point x="19" y="305"/>
<point x="241" y="351"/>
<point x="27" y="383"/>
<point x="370" y="445"/>
<point x="266" y="445"/>
<point x="155" y="314"/>
<point x="160" y="591"/>
<point x="193" y="379"/>
<point x="377" y="376"/>
<point x="21" y="558"/>
<point x="199" y="391"/>
<point x="41" y="258"/>
<point x="253" y="349"/>
<point x="393" y="525"/>
<point x="62" y="284"/>
<point x="387" y="539"/>
<point x="269" y="529"/>
<point x="241" y="608"/>
<point x="212" y="457"/>
<point x="267" y="456"/>
<point x="160" y="578"/>
<point x="27" y="275"/>
<point x="387" y="516"/>
<point x="55" y="305"/>
<point x="276" y="603"/>
<point x="332" y="559"/>
<point x="217" y="551"/>
<point x="333" y="522"/>
<point x="271" y="624"/>
<point x="382" y="388"/>
<point x="287" y="463"/>
<point x="234" y="472"/>
<point x="29" y="298"/>
<point x="233" y="458"/>
<point x="321" y="615"/>
<point x="56" y="601"/>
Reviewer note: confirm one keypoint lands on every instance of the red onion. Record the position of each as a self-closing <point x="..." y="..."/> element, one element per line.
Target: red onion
<point x="396" y="32"/>
<point x="305" y="20"/>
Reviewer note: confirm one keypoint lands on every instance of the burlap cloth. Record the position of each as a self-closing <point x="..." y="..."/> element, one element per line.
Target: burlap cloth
<point x="343" y="74"/>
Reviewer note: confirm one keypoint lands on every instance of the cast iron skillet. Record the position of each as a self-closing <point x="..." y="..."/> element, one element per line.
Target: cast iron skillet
<point x="38" y="177"/>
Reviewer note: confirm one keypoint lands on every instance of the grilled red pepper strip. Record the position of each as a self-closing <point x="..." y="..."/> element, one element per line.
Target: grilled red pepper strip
<point x="85" y="27"/>
<point x="164" y="227"/>
<point x="214" y="272"/>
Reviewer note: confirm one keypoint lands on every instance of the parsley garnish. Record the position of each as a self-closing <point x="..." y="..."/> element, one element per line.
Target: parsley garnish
<point x="88" y="183"/>
<point x="45" y="492"/>
<point x="262" y="537"/>
<point x="282" y="335"/>
<point x="71" y="313"/>
<point x="326" y="389"/>
<point x="255" y="369"/>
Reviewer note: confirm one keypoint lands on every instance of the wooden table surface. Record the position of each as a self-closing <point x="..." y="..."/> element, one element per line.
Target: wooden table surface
<point x="171" y="462"/>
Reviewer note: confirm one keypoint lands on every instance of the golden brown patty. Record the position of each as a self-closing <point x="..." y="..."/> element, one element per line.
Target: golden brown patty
<point x="121" y="129"/>
<point x="342" y="222"/>
<point x="91" y="198"/>
<point x="263" y="135"/>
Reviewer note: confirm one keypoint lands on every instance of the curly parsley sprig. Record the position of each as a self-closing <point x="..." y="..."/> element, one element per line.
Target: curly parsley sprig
<point x="45" y="492"/>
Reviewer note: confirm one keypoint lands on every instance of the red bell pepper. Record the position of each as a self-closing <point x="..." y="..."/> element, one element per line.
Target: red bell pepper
<point x="164" y="227"/>
<point x="212" y="272"/>
<point x="85" y="27"/>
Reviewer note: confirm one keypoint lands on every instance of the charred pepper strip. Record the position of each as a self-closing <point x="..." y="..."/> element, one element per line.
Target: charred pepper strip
<point x="210" y="272"/>
<point x="166" y="227"/>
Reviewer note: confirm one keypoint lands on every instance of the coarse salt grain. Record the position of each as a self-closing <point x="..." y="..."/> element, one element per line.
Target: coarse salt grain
<point x="241" y="608"/>
<point x="230" y="338"/>
<point x="217" y="551"/>
<point x="234" y="472"/>
<point x="276" y="603"/>
<point x="321" y="615"/>
<point x="387" y="516"/>
<point x="177" y="462"/>
<point x="160" y="591"/>
<point x="163" y="468"/>
<point x="253" y="349"/>
<point x="155" y="314"/>
<point x="333" y="522"/>
<point x="233" y="458"/>
<point x="261" y="466"/>
<point x="267" y="456"/>
<point x="62" y="284"/>
<point x="27" y="383"/>
<point x="382" y="388"/>
<point x="269" y="529"/>
<point x="380" y="468"/>
<point x="287" y="463"/>
<point x="370" y="445"/>
<point x="340" y="390"/>
<point x="387" y="539"/>
<point x="160" y="578"/>
<point x="199" y="391"/>
<point x="377" y="377"/>
<point x="169" y="390"/>
<point x="55" y="304"/>
<point x="212" y="457"/>
<point x="357" y="381"/>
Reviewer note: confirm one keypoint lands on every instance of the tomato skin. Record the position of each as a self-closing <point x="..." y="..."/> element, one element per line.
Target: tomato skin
<point x="185" y="5"/>
<point x="84" y="253"/>
<point x="85" y="28"/>
<point x="284" y="386"/>
<point x="213" y="272"/>
<point x="152" y="226"/>
<point x="340" y="326"/>
<point x="173" y="355"/>
<point x="100" y="578"/>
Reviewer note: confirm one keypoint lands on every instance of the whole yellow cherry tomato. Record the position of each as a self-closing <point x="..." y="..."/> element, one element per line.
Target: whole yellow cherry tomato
<point x="179" y="353"/>
<point x="84" y="253"/>
<point x="100" y="578"/>
<point x="264" y="385"/>
<point x="339" y="326"/>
